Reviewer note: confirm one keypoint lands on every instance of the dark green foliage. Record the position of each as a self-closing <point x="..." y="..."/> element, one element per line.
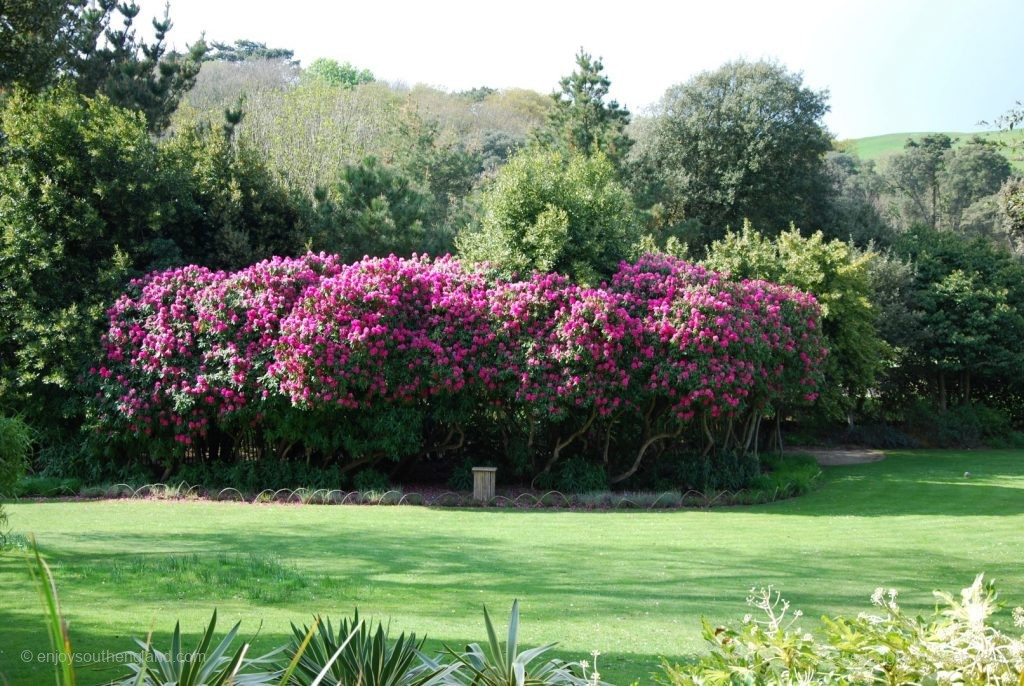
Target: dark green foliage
<point x="855" y="212"/>
<point x="547" y="212"/>
<point x="15" y="447"/>
<point x="478" y="94"/>
<point x="786" y="476"/>
<point x="745" y="141"/>
<point x="258" y="475"/>
<point x="36" y="41"/>
<point x="370" y="480"/>
<point x="582" y="120"/>
<point x="969" y="425"/>
<point x="878" y="435"/>
<point x="725" y="471"/>
<point x="230" y="209"/>
<point x="969" y="295"/>
<point x="94" y="45"/>
<point x="88" y="201"/>
<point x="935" y="184"/>
<point x="575" y="475"/>
<point x="134" y="74"/>
<point x="46" y="487"/>
<point x="372" y="210"/>
<point x="80" y="202"/>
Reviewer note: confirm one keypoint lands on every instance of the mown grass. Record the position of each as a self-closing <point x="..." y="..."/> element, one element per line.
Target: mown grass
<point x="632" y="584"/>
<point x="879" y="148"/>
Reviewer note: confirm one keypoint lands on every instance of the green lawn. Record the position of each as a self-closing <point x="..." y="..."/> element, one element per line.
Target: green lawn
<point x="880" y="147"/>
<point x="632" y="584"/>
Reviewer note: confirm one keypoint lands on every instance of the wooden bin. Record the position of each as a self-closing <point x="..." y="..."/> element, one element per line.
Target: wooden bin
<point x="483" y="483"/>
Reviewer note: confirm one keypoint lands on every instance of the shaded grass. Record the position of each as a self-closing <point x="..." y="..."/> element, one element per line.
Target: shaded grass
<point x="632" y="584"/>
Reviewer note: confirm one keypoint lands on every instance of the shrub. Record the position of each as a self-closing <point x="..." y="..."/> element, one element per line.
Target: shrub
<point x="46" y="487"/>
<point x="969" y="425"/>
<point x="370" y="480"/>
<point x="547" y="212"/>
<point x="506" y="665"/>
<point x="392" y="358"/>
<point x="875" y="435"/>
<point x="15" y="444"/>
<point x="357" y="653"/>
<point x="200" y="667"/>
<point x="575" y="475"/>
<point x="955" y="645"/>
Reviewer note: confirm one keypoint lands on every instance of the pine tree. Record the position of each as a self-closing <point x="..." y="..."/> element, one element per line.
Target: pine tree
<point x="582" y="120"/>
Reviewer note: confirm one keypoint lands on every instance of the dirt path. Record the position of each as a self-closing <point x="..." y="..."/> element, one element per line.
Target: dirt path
<point x="828" y="457"/>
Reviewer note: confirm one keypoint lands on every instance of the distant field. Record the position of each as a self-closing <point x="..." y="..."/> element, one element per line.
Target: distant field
<point x="879" y="147"/>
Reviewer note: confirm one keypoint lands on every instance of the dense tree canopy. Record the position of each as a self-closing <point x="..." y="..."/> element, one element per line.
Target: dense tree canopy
<point x="80" y="197"/>
<point x="745" y="141"/>
<point x="970" y="298"/>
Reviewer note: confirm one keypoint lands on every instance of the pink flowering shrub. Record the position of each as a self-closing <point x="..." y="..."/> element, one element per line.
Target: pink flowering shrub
<point x="392" y="357"/>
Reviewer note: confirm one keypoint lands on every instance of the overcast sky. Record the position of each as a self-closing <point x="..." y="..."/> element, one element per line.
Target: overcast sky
<point x="890" y="66"/>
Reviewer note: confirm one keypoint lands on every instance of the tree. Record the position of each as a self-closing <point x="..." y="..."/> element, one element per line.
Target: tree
<point x="935" y="183"/>
<point x="915" y="174"/>
<point x="81" y="197"/>
<point x="243" y="50"/>
<point x="743" y="141"/>
<point x="332" y="72"/>
<point x="855" y="213"/>
<point x="231" y="209"/>
<point x="547" y="212"/>
<point x="132" y="73"/>
<point x="970" y="297"/>
<point x="971" y="172"/>
<point x="1011" y="204"/>
<point x="839" y="278"/>
<point x="372" y="210"/>
<point x="582" y="121"/>
<point x="36" y="40"/>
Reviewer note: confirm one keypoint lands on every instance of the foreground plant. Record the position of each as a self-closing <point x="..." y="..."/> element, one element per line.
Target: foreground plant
<point x="956" y="645"/>
<point x="57" y="628"/>
<point x="507" y="666"/>
<point x="201" y="667"/>
<point x="357" y="654"/>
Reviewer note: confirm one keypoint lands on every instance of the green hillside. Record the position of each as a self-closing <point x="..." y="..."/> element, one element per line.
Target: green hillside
<point x="880" y="147"/>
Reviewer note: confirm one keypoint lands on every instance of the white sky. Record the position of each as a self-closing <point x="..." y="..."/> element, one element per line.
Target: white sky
<point x="896" y="66"/>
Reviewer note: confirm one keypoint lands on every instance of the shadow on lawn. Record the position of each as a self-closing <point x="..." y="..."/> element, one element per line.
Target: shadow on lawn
<point x="459" y="574"/>
<point x="440" y="576"/>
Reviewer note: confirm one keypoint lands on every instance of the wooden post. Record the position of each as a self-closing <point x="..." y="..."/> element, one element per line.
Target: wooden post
<point x="483" y="483"/>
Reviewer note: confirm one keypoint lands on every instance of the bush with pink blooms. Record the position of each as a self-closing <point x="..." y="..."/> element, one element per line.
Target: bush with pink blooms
<point x="420" y="360"/>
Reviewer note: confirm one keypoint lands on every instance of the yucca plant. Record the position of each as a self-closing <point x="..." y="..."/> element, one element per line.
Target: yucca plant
<point x="507" y="666"/>
<point x="57" y="628"/>
<point x="358" y="655"/>
<point x="201" y="667"/>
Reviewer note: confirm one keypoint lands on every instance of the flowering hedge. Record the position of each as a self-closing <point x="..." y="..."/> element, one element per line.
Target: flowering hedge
<point x="393" y="357"/>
